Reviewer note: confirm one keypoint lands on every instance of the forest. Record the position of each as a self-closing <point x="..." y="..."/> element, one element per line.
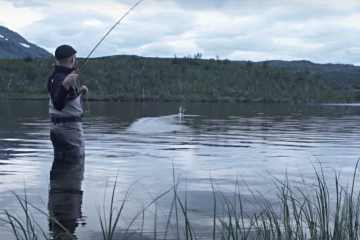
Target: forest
<point x="190" y="79"/>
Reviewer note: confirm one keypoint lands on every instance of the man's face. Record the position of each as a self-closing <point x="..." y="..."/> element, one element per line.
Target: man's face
<point x="73" y="60"/>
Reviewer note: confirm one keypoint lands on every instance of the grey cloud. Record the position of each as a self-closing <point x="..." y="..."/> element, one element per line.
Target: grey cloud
<point x="169" y="22"/>
<point x="265" y="17"/>
<point x="149" y="29"/>
<point x="337" y="51"/>
<point x="239" y="43"/>
<point x="301" y="13"/>
<point x="229" y="30"/>
<point x="203" y="4"/>
<point x="225" y="47"/>
<point x="140" y="30"/>
<point x="45" y="34"/>
<point x="185" y="4"/>
<point x="161" y="49"/>
<point x="335" y="47"/>
<point x="344" y="57"/>
<point x="281" y="9"/>
<point x="294" y="21"/>
<point x="41" y="3"/>
<point x="337" y="42"/>
<point x="269" y="11"/>
<point x="29" y="3"/>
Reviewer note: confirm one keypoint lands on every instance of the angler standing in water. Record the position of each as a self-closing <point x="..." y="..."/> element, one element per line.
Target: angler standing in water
<point x="66" y="106"/>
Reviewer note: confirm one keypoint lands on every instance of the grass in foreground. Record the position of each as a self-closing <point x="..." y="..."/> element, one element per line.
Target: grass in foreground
<point x="302" y="211"/>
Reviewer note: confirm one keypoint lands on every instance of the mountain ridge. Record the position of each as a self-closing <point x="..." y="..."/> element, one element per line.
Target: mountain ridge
<point x="13" y="45"/>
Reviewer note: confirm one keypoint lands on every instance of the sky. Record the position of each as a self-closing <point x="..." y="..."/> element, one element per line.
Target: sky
<point x="321" y="31"/>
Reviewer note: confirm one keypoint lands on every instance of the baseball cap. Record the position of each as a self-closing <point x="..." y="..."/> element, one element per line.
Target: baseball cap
<point x="64" y="51"/>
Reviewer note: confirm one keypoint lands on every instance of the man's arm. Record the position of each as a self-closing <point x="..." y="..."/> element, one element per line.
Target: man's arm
<point x="59" y="93"/>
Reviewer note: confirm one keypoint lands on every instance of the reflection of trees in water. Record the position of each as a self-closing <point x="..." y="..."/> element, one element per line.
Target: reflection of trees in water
<point x="65" y="195"/>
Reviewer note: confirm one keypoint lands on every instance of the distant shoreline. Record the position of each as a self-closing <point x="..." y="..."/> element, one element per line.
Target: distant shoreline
<point x="94" y="98"/>
<point x="190" y="79"/>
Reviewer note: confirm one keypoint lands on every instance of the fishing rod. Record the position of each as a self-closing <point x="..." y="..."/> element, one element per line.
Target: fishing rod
<point x="78" y="70"/>
<point x="87" y="58"/>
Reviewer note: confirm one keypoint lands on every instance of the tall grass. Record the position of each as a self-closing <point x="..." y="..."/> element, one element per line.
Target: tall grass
<point x="300" y="211"/>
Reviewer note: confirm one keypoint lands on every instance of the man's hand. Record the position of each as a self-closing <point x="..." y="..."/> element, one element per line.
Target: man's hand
<point x="70" y="80"/>
<point x="83" y="90"/>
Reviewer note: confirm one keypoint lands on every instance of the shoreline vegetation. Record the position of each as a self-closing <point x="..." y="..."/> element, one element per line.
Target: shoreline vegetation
<point x="120" y="98"/>
<point x="303" y="210"/>
<point x="189" y="79"/>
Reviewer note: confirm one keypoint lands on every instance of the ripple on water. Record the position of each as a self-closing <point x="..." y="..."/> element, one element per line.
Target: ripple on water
<point x="252" y="146"/>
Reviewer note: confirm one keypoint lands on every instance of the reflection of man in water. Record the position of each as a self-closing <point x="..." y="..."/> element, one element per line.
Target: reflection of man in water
<point x="65" y="195"/>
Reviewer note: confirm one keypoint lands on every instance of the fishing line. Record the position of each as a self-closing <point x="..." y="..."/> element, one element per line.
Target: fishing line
<point x="87" y="58"/>
<point x="106" y="35"/>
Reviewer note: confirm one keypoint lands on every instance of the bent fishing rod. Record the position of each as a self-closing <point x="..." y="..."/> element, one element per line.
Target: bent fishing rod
<point x="118" y="22"/>
<point x="87" y="58"/>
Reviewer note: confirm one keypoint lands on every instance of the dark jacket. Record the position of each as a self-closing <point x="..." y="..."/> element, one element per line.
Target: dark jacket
<point x="59" y="95"/>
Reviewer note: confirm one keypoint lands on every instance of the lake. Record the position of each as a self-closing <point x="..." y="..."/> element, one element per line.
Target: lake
<point x="149" y="141"/>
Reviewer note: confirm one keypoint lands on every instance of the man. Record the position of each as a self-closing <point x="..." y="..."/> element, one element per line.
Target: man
<point x="65" y="106"/>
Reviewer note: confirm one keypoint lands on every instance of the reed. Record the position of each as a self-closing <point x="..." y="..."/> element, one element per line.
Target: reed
<point x="321" y="210"/>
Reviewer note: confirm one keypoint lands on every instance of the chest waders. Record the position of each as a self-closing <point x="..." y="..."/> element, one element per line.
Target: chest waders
<point x="66" y="131"/>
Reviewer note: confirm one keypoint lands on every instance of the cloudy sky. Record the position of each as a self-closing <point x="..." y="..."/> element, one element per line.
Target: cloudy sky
<point x="322" y="31"/>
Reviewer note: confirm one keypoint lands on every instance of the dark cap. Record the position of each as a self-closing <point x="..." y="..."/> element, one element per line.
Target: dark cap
<point x="64" y="51"/>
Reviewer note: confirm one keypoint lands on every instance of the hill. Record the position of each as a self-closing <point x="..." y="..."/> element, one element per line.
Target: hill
<point x="328" y="72"/>
<point x="134" y="78"/>
<point x="13" y="45"/>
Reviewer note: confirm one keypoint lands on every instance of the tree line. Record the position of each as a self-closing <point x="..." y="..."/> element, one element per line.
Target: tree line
<point x="191" y="78"/>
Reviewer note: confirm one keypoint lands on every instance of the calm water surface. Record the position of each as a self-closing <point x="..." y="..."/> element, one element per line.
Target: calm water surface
<point x="251" y="142"/>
